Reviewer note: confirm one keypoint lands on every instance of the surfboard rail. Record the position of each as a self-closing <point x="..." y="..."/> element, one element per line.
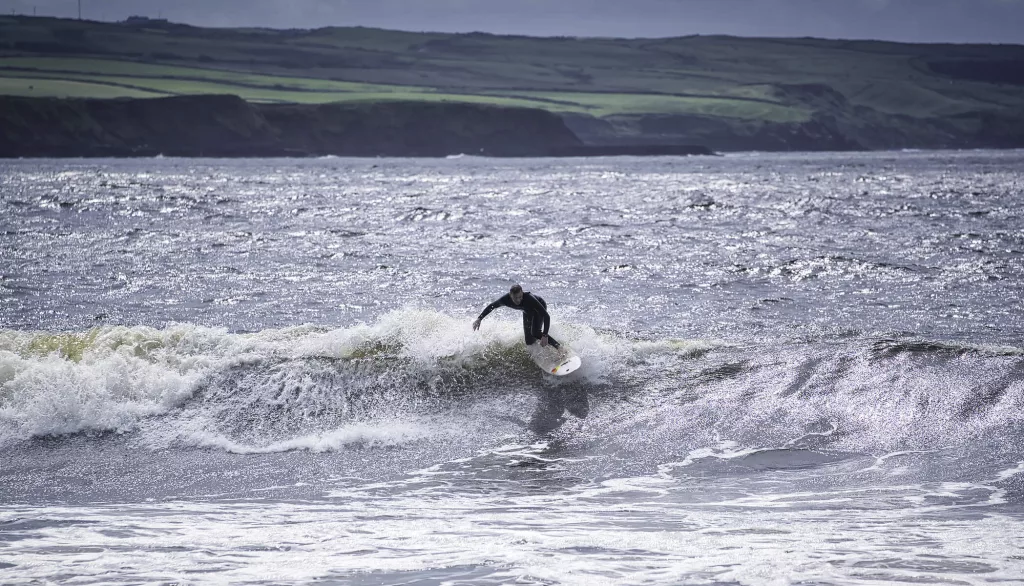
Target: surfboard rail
<point x="558" y="362"/>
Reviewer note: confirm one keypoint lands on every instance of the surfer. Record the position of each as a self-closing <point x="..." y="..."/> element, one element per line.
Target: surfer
<point x="535" y="315"/>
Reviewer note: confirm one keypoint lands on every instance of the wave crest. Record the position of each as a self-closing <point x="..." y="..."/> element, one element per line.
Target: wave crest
<point x="260" y="387"/>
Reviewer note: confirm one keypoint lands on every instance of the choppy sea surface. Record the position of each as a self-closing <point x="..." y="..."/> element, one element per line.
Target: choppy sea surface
<point x="799" y="369"/>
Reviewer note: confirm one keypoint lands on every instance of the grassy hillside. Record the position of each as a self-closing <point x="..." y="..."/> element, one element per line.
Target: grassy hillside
<point x="743" y="85"/>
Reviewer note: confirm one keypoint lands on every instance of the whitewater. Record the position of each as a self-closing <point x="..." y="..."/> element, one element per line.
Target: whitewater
<point x="798" y="369"/>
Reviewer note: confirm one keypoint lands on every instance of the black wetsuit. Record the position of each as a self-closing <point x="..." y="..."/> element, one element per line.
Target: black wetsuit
<point x="536" y="320"/>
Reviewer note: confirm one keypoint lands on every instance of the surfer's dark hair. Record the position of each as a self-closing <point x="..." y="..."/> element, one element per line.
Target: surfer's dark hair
<point x="516" y="289"/>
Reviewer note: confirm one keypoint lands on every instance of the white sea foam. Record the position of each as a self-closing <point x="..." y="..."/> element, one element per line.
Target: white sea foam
<point x="362" y="434"/>
<point x="1010" y="472"/>
<point x="724" y="450"/>
<point x="52" y="396"/>
<point x="109" y="379"/>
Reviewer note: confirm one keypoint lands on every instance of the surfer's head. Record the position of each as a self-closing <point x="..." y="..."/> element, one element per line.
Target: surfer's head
<point x="516" y="293"/>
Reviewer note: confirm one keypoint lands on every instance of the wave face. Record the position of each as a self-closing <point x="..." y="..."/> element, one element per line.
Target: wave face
<point x="419" y="376"/>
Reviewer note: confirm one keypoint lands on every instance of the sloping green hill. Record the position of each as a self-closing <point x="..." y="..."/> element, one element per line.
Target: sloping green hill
<point x="724" y="91"/>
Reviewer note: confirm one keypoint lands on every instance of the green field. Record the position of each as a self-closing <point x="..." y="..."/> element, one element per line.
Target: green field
<point x="739" y="79"/>
<point x="91" y="77"/>
<point x="28" y="86"/>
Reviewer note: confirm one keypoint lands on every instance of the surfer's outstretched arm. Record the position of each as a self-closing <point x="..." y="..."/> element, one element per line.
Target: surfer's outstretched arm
<point x="504" y="301"/>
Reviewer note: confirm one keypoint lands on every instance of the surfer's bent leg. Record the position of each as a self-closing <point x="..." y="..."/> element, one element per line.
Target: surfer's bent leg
<point x="528" y="328"/>
<point x="532" y="330"/>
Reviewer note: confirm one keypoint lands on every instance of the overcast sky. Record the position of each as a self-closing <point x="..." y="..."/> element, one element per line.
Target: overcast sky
<point x="976" y="21"/>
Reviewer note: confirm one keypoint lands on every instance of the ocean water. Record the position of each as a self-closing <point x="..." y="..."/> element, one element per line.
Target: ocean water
<point x="800" y="369"/>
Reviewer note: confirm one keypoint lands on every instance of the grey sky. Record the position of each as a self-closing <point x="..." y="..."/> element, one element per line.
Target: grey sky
<point x="979" y="21"/>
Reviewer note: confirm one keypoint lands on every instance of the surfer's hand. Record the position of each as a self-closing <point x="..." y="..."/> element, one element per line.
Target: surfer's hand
<point x="544" y="340"/>
<point x="476" y="325"/>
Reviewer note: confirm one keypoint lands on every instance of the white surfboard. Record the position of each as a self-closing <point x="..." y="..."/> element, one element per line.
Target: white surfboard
<point x="559" y="362"/>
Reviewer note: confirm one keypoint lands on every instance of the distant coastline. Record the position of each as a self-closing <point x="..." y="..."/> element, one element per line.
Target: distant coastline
<point x="149" y="86"/>
<point x="227" y="126"/>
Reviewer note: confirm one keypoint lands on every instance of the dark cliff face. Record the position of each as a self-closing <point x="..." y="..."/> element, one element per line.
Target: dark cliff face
<point x="715" y="133"/>
<point x="214" y="125"/>
<point x="224" y="126"/>
<point x="227" y="126"/>
<point x="418" y="129"/>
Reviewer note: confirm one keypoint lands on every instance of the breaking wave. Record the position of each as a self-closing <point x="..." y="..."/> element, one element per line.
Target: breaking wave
<point x="418" y="376"/>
